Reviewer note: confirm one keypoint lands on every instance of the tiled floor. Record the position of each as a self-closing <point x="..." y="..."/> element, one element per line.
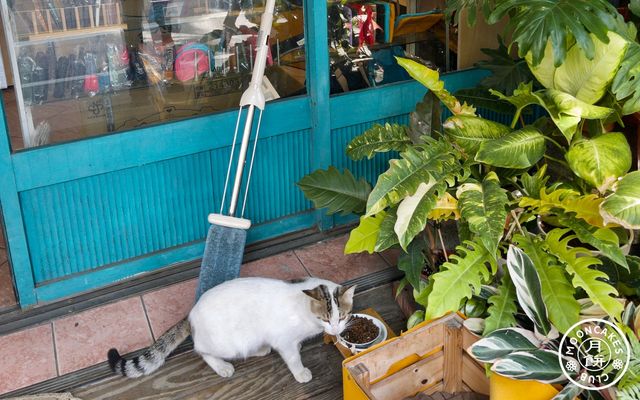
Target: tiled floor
<point x="81" y="340"/>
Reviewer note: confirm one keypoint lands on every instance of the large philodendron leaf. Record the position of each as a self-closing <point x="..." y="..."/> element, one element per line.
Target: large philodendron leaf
<point x="586" y="207"/>
<point x="625" y="84"/>
<point x="459" y="279"/>
<point x="437" y="161"/>
<point x="483" y="205"/>
<point x="528" y="288"/>
<point x="540" y="365"/>
<point x="588" y="79"/>
<point x="335" y="191"/>
<point x="502" y="307"/>
<point x="365" y="236"/>
<point x="446" y="208"/>
<point x="557" y="291"/>
<point x="603" y="239"/>
<point x="519" y="149"/>
<point x="534" y="22"/>
<point x="378" y="139"/>
<point x="413" y="211"/>
<point x="579" y="264"/>
<point x="600" y="161"/>
<point x="623" y="205"/>
<point x="469" y="132"/>
<point x="431" y="80"/>
<point x="502" y="342"/>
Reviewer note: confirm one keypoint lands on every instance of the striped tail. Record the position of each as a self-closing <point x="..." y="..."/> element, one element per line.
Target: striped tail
<point x="154" y="356"/>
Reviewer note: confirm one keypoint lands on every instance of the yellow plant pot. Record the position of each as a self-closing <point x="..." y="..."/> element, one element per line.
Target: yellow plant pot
<point x="502" y="388"/>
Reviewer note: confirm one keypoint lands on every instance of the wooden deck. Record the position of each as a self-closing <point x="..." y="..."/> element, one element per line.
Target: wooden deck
<point x="188" y="377"/>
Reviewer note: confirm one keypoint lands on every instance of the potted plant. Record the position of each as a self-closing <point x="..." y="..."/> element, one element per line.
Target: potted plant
<point x="523" y="358"/>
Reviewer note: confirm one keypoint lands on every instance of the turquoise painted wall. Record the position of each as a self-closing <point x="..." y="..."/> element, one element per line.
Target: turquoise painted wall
<point x="86" y="214"/>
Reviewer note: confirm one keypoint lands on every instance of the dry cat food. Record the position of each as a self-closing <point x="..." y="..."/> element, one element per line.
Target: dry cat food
<point x="360" y="330"/>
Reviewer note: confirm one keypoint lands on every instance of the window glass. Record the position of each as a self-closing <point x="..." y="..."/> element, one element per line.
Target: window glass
<point x="89" y="67"/>
<point x="366" y="36"/>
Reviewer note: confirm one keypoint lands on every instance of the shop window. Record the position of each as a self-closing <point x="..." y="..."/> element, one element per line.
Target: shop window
<point x="90" y="67"/>
<point x="366" y="36"/>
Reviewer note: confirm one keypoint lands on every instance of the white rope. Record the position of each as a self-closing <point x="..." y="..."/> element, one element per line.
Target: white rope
<point x="253" y="156"/>
<point x="233" y="149"/>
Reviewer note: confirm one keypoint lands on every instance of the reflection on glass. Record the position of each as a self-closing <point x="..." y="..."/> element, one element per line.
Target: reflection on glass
<point x="88" y="67"/>
<point x="366" y="36"/>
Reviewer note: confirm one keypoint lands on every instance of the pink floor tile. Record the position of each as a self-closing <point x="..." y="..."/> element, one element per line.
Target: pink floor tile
<point x="3" y="255"/>
<point x="27" y="358"/>
<point x="7" y="295"/>
<point x="327" y="260"/>
<point x="83" y="339"/>
<point x="280" y="266"/>
<point x="166" y="306"/>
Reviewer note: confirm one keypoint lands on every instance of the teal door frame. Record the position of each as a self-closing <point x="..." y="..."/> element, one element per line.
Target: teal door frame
<point x="92" y="212"/>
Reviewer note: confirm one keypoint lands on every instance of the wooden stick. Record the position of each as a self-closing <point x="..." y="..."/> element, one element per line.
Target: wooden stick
<point x="49" y="26"/>
<point x="92" y="22"/>
<point x="34" y="22"/>
<point x="64" y="19"/>
<point x="78" y="21"/>
<point x="118" y="12"/>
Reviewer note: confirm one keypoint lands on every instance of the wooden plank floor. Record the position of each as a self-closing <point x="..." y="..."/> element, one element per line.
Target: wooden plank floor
<point x="188" y="377"/>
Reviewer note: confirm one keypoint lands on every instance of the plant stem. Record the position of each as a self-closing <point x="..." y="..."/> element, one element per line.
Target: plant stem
<point x="444" y="249"/>
<point x="522" y="121"/>
<point x="516" y="219"/>
<point x="554" y="142"/>
<point x="557" y="160"/>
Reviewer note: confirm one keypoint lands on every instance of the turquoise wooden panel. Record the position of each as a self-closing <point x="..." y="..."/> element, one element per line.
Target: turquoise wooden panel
<point x="75" y="160"/>
<point x="86" y="224"/>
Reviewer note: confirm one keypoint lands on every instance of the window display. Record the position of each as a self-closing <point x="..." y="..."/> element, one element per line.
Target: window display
<point x="89" y="67"/>
<point x="365" y="37"/>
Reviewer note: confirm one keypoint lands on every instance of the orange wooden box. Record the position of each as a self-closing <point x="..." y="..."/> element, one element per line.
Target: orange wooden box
<point x="429" y="358"/>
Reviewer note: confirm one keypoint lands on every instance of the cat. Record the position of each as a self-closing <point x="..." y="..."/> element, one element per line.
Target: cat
<point x="248" y="317"/>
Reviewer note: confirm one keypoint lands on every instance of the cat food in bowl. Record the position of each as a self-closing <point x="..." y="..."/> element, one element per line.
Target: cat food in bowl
<point x="362" y="332"/>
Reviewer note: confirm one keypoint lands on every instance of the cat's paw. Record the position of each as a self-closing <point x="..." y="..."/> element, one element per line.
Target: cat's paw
<point x="303" y="376"/>
<point x="225" y="370"/>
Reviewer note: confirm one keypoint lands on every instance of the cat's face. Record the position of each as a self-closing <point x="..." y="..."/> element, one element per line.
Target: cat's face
<point x="332" y="308"/>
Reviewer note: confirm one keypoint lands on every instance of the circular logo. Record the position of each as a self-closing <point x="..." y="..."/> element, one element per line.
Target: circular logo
<point x="594" y="354"/>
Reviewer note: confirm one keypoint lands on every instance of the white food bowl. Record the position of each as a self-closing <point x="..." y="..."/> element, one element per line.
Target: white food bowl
<point x="358" y="347"/>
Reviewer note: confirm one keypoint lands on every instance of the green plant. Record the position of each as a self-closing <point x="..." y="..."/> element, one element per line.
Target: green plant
<point x="565" y="170"/>
<point x="530" y="350"/>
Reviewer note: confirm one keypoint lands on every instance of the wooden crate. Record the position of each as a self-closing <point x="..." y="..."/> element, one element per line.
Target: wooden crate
<point x="428" y="358"/>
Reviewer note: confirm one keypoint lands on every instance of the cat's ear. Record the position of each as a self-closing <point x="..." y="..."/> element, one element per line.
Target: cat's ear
<point x="345" y="294"/>
<point x="315" y="293"/>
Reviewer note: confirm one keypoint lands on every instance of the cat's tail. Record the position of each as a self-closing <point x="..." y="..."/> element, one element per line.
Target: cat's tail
<point x="154" y="356"/>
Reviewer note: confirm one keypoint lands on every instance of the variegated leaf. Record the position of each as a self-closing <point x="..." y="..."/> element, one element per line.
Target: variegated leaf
<point x="469" y="132"/>
<point x="413" y="211"/>
<point x="437" y="160"/>
<point x="483" y="205"/>
<point x="540" y="365"/>
<point x="601" y="160"/>
<point x="518" y="149"/>
<point x="502" y="342"/>
<point x="623" y="205"/>
<point x="528" y="288"/>
<point x="387" y="237"/>
<point x="378" y="139"/>
<point x="557" y="291"/>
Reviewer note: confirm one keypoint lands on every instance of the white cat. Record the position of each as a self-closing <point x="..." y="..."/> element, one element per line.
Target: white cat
<point x="248" y="317"/>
